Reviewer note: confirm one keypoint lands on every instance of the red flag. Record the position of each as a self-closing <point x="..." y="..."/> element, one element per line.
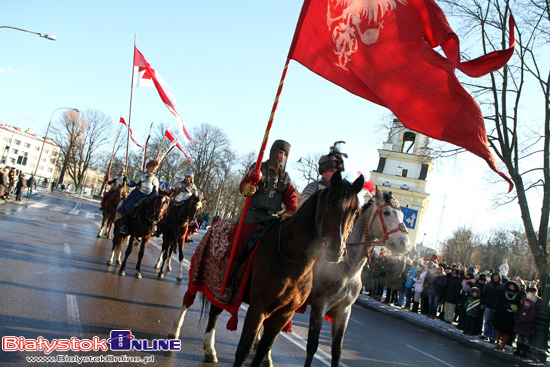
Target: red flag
<point x="382" y="50"/>
<point x="171" y="136"/>
<point x="130" y="130"/>
<point x="146" y="76"/>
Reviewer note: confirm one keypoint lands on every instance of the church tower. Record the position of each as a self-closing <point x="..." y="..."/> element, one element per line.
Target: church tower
<point x="403" y="169"/>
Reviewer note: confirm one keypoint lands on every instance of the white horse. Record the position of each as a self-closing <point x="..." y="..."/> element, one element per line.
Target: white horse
<point x="336" y="286"/>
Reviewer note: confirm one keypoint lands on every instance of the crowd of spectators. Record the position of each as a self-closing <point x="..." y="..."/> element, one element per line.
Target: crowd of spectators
<point x="498" y="309"/>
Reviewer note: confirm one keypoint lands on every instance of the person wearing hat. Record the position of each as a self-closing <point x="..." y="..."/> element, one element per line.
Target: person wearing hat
<point x="115" y="183"/>
<point x="328" y="164"/>
<point x="452" y="295"/>
<point x="20" y="187"/>
<point x="523" y="324"/>
<point x="183" y="189"/>
<point x="489" y="296"/>
<point x="507" y="306"/>
<point x="4" y="182"/>
<point x="274" y="197"/>
<point x="146" y="185"/>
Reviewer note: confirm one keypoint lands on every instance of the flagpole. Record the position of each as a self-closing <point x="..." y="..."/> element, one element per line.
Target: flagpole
<point x="111" y="161"/>
<point x="255" y="175"/>
<point x="145" y="148"/>
<point x="128" y="136"/>
<point x="161" y="144"/>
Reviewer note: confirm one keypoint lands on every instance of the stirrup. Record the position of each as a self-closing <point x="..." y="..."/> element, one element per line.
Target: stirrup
<point x="124" y="229"/>
<point x="225" y="297"/>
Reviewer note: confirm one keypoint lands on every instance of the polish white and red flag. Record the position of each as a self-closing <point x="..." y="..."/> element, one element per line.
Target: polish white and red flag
<point x="122" y="121"/>
<point x="146" y="76"/>
<point x="172" y="136"/>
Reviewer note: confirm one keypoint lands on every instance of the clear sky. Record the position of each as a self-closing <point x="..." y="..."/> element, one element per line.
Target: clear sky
<point x="223" y="61"/>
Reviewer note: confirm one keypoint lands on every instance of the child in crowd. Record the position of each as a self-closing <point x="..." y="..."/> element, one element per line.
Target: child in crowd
<point x="524" y="320"/>
<point x="472" y="310"/>
<point x="418" y="287"/>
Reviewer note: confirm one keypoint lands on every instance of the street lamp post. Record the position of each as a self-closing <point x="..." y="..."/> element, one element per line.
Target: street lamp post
<point x="43" y="35"/>
<point x="46" y="136"/>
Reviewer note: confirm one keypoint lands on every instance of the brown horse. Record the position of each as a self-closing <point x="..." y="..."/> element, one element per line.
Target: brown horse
<point x="174" y="230"/>
<point x="336" y="286"/>
<point x="109" y="211"/>
<point x="281" y="269"/>
<point x="141" y="221"/>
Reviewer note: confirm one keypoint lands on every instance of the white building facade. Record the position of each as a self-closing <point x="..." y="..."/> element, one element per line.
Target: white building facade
<point x="403" y="169"/>
<point x="21" y="149"/>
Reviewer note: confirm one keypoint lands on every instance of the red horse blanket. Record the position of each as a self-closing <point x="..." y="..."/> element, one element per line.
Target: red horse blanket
<point x="208" y="266"/>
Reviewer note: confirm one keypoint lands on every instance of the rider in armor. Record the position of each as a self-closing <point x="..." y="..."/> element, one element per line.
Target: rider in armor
<point x="273" y="198"/>
<point x="183" y="189"/>
<point x="328" y="164"/>
<point x="146" y="185"/>
<point x="115" y="183"/>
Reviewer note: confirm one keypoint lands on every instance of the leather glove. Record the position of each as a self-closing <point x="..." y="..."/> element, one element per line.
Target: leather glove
<point x="249" y="190"/>
<point x="286" y="215"/>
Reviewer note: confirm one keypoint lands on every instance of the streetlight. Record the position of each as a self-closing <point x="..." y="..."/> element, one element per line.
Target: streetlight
<point x="43" y="35"/>
<point x="47" y="131"/>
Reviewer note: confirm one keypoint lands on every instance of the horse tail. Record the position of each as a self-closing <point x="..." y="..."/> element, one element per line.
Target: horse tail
<point x="205" y="306"/>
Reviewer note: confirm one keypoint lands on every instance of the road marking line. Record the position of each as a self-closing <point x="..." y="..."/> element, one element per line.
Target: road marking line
<point x="90" y="215"/>
<point x="429" y="355"/>
<point x="67" y="248"/>
<point x="73" y="316"/>
<point x="57" y="209"/>
<point x="38" y="205"/>
<point x="74" y="212"/>
<point x="358" y="322"/>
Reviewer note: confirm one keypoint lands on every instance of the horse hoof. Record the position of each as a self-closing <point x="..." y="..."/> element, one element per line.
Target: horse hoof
<point x="118" y="262"/>
<point x="210" y="359"/>
<point x="122" y="273"/>
<point x="173" y="336"/>
<point x="161" y="275"/>
<point x="168" y="270"/>
<point x="266" y="363"/>
<point x="109" y="262"/>
<point x="179" y="280"/>
<point x="98" y="236"/>
<point x="108" y="237"/>
<point x="156" y="266"/>
<point x="138" y="275"/>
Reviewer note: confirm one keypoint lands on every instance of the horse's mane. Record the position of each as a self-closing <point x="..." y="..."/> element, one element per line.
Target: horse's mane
<point x="308" y="210"/>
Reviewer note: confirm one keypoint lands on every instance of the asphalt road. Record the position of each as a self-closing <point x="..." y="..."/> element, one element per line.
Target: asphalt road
<point x="55" y="284"/>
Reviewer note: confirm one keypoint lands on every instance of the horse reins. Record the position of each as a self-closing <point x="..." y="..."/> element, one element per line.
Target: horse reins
<point x="401" y="227"/>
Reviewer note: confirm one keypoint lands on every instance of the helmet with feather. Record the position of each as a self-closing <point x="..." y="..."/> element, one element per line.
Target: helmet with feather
<point x="334" y="159"/>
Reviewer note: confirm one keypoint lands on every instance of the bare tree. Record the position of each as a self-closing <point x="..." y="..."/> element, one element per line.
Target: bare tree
<point x="523" y="146"/>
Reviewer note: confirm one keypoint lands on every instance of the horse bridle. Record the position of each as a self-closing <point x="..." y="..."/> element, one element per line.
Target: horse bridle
<point x="401" y="227"/>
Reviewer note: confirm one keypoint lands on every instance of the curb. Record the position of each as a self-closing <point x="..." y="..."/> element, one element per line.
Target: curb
<point x="444" y="329"/>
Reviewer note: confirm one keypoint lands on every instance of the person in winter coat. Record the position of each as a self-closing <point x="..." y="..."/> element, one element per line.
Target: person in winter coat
<point x="452" y="294"/>
<point x="489" y="297"/>
<point x="436" y="290"/>
<point x="31" y="184"/>
<point x="418" y="287"/>
<point x="409" y="291"/>
<point x="20" y="187"/>
<point x="4" y="182"/>
<point x="507" y="306"/>
<point x="524" y="320"/>
<point x="402" y="289"/>
<point x="11" y="184"/>
<point x="467" y="284"/>
<point x="478" y="322"/>
<point x="472" y="310"/>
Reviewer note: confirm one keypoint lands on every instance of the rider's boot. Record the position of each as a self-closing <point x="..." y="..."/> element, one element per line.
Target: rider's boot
<point x="228" y="291"/>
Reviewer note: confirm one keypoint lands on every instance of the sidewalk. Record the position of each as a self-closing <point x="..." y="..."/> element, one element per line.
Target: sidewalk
<point x="447" y="330"/>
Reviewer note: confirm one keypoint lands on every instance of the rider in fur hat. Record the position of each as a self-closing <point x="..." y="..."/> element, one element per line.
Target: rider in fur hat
<point x="328" y="164"/>
<point x="273" y="198"/>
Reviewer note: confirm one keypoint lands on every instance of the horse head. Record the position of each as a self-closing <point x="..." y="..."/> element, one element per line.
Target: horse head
<point x="385" y="222"/>
<point x="191" y="207"/>
<point x="338" y="206"/>
<point x="160" y="205"/>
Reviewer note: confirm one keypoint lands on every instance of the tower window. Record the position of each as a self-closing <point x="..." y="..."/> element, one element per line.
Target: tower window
<point x="408" y="142"/>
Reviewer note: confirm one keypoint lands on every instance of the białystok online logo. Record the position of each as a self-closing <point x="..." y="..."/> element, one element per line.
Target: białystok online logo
<point x="120" y="340"/>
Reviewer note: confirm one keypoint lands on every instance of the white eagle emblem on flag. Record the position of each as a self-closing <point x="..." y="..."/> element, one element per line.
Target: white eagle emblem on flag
<point x="347" y="28"/>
